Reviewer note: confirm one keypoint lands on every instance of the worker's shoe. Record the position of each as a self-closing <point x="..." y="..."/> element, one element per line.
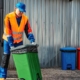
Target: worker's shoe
<point x="2" y="79"/>
<point x="3" y="73"/>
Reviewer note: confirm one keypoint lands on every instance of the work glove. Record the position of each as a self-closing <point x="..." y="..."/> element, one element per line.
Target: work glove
<point x="31" y="38"/>
<point x="10" y="40"/>
<point x="11" y="44"/>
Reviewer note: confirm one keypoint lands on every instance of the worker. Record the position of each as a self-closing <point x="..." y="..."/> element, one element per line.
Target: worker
<point x="15" y="23"/>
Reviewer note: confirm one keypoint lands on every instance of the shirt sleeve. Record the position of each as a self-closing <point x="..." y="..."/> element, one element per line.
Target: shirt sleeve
<point x="8" y="31"/>
<point x="28" y="32"/>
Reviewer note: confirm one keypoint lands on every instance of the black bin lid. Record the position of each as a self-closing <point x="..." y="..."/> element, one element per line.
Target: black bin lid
<point x="25" y="49"/>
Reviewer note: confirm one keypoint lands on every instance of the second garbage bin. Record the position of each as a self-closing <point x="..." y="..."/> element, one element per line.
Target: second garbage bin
<point x="27" y="63"/>
<point x="78" y="58"/>
<point x="68" y="58"/>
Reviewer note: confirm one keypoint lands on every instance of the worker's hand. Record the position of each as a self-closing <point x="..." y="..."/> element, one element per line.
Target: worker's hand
<point x="12" y="47"/>
<point x="33" y="43"/>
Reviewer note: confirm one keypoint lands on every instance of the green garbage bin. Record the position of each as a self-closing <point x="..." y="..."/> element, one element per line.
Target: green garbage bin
<point x="27" y="62"/>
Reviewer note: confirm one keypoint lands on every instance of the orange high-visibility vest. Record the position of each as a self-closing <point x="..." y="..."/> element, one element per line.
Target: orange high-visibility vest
<point x="16" y="31"/>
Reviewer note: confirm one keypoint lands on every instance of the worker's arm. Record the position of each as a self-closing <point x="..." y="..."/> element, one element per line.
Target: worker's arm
<point x="8" y="31"/>
<point x="28" y="32"/>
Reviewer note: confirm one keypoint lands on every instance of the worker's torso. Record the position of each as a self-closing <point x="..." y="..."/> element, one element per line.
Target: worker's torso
<point x="17" y="26"/>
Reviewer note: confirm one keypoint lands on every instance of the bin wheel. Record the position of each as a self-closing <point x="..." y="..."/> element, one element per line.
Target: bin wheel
<point x="38" y="79"/>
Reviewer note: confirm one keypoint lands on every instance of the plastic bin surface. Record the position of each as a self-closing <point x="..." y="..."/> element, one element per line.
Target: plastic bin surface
<point x="27" y="62"/>
<point x="68" y="58"/>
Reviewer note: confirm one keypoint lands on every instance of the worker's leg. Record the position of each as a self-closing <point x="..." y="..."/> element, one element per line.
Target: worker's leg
<point x="5" y="61"/>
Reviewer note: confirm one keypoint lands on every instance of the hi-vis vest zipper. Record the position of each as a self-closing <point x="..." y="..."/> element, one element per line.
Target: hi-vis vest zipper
<point x="16" y="31"/>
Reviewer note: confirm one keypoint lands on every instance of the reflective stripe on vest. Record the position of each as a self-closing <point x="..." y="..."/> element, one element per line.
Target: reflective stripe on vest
<point x="16" y="33"/>
<point x="18" y="38"/>
<point x="6" y="35"/>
